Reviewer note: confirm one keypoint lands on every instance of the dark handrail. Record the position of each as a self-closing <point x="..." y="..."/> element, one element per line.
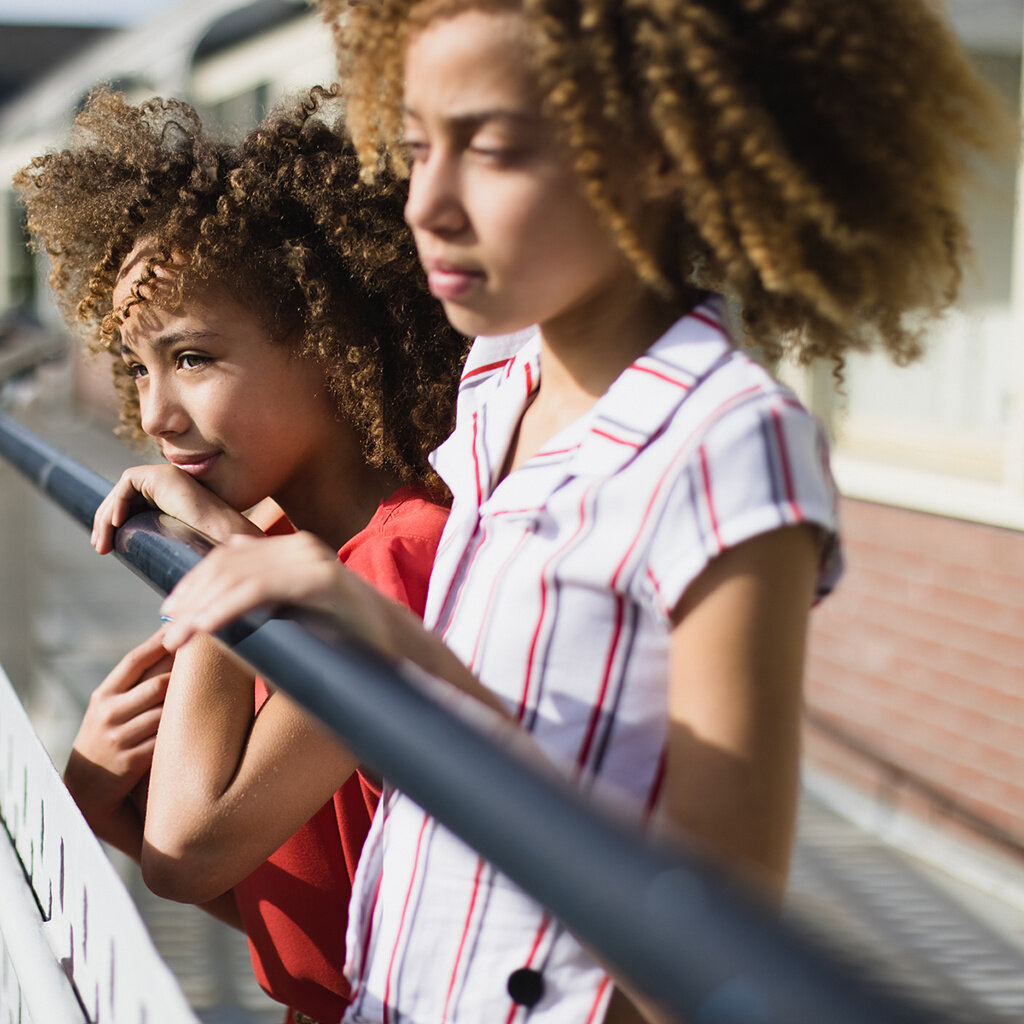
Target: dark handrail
<point x="681" y="933"/>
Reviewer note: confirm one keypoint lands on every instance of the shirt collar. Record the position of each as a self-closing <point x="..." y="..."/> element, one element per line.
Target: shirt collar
<point x="647" y="394"/>
<point x="496" y="385"/>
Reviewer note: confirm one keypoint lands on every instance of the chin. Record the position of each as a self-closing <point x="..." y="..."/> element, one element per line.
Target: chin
<point x="472" y="323"/>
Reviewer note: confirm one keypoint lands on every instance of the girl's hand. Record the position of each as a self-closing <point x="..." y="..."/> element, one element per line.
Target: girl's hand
<point x="246" y="573"/>
<point x="114" y="746"/>
<point x="172" y="491"/>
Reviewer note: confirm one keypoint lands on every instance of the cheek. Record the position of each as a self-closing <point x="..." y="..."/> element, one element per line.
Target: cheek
<point x="522" y="227"/>
<point x="555" y="214"/>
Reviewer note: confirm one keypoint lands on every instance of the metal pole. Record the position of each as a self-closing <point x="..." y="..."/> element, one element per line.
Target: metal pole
<point x="677" y="930"/>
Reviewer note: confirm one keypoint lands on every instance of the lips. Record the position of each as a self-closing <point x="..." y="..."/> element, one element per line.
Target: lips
<point x="449" y="280"/>
<point x="195" y="465"/>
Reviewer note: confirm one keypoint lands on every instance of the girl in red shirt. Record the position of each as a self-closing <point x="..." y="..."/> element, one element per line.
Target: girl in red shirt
<point x="269" y="329"/>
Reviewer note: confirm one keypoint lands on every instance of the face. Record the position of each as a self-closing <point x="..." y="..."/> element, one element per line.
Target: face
<point x="224" y="402"/>
<point x="502" y="227"/>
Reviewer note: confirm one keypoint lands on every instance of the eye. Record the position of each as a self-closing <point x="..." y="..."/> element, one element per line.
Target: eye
<point x="416" y="151"/>
<point x="135" y="370"/>
<point x="498" y="144"/>
<point x="192" y="360"/>
<point x="494" y="154"/>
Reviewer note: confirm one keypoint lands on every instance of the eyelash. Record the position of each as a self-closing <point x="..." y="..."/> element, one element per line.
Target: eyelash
<point x="136" y="371"/>
<point x="416" y="151"/>
<point x="200" y="360"/>
<point x="494" y="154"/>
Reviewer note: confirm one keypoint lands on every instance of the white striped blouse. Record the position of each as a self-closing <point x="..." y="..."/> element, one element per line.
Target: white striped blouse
<point x="556" y="587"/>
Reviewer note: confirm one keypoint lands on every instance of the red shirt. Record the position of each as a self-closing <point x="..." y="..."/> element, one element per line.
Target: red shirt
<point x="294" y="907"/>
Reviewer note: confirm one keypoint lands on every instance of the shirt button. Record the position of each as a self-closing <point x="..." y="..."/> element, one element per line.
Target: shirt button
<point x="526" y="986"/>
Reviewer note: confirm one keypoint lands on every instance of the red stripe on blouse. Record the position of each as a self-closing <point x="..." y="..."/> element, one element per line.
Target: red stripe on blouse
<point x="705" y="472"/>
<point x="543" y="603"/>
<point x="401" y="920"/>
<point x="657" y="493"/>
<point x="490" y="597"/>
<point x="469" y="374"/>
<point x="524" y="696"/>
<point x="455" y="580"/>
<point x="595" y="711"/>
<point x="656" y="783"/>
<point x="612" y="437"/>
<point x="787" y="469"/>
<point x="545" y="921"/>
<point x="476" y="464"/>
<point x="555" y="451"/>
<point x="708" y="321"/>
<point x="661" y="376"/>
<point x="597" y="1000"/>
<point x="462" y="940"/>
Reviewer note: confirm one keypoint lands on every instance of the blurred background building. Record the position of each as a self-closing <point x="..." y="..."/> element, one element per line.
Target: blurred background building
<point x="915" y="690"/>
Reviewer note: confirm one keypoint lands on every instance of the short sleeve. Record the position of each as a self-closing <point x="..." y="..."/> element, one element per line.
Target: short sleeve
<point x="395" y="553"/>
<point x="399" y="567"/>
<point x="761" y="466"/>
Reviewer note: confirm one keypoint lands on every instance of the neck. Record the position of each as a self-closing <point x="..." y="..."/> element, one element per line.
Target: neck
<point x="582" y="356"/>
<point x="336" y="496"/>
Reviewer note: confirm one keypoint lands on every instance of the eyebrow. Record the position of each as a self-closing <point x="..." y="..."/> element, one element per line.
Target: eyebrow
<point x="173" y="338"/>
<point x="472" y="118"/>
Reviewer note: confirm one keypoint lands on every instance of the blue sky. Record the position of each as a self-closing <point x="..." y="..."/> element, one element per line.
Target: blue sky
<point x="80" y="12"/>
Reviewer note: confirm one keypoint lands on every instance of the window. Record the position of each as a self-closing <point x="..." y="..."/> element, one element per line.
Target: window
<point x="946" y="434"/>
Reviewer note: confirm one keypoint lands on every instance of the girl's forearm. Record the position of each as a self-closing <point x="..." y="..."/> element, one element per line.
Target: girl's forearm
<point x="228" y="789"/>
<point x="207" y="716"/>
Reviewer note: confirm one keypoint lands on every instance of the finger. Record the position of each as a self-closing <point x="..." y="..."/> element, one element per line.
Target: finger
<point x="131" y="668"/>
<point x="218" y="609"/>
<point x="177" y="636"/>
<point x="200" y="584"/>
<point x="102" y="531"/>
<point x="141" y="759"/>
<point x="103" y="521"/>
<point x="118" y="505"/>
<point x="138" y="699"/>
<point x="140" y="728"/>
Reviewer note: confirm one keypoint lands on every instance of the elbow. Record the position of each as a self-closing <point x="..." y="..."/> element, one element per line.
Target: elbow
<point x="180" y="874"/>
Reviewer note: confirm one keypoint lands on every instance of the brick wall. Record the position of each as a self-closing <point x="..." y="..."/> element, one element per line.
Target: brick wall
<point x="915" y="675"/>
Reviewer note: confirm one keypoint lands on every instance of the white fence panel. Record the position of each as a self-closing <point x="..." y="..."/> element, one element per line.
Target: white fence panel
<point x="72" y="945"/>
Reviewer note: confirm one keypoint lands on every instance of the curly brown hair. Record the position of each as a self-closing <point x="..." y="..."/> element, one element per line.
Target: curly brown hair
<point x="820" y="149"/>
<point x="324" y="260"/>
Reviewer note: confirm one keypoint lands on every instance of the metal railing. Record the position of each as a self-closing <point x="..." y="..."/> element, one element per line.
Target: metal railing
<point x="70" y="936"/>
<point x="673" y="926"/>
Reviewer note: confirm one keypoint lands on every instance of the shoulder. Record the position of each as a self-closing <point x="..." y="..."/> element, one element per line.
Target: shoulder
<point x="740" y="457"/>
<point x="395" y="551"/>
<point x="728" y="393"/>
<point x="410" y="512"/>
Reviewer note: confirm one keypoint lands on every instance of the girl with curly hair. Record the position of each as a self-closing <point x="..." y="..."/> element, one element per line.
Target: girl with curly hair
<point x="642" y="516"/>
<point x="270" y="329"/>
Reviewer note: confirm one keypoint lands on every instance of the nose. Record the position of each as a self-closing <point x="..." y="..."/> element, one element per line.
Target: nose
<point x="161" y="411"/>
<point x="435" y="201"/>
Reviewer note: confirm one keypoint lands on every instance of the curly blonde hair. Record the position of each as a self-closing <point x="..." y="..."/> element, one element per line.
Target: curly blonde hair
<point x="820" y="149"/>
<point x="283" y="221"/>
